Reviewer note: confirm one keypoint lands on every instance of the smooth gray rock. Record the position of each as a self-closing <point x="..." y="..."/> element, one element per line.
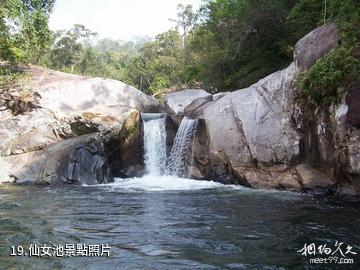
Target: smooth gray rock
<point x="42" y="145"/>
<point x="220" y="95"/>
<point x="314" y="45"/>
<point x="197" y="103"/>
<point x="28" y="132"/>
<point x="262" y="115"/>
<point x="64" y="93"/>
<point x="252" y="125"/>
<point x="176" y="102"/>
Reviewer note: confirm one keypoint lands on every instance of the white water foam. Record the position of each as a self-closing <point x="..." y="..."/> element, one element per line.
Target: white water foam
<point x="162" y="183"/>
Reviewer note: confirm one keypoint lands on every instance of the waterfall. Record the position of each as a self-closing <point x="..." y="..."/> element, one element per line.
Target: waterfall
<point x="155" y="146"/>
<point x="182" y="149"/>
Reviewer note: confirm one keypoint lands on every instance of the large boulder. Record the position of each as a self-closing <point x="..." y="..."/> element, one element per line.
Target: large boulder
<point x="255" y="136"/>
<point x="252" y="125"/>
<point x="81" y="160"/>
<point x="176" y="102"/>
<point x="27" y="132"/>
<point x="64" y="93"/>
<point x="314" y="45"/>
<point x="41" y="144"/>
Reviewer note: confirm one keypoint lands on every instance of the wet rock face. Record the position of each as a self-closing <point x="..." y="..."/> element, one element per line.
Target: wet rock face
<point x="171" y="129"/>
<point x="87" y="164"/>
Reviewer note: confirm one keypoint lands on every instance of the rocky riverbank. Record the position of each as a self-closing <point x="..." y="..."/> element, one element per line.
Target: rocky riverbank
<point x="86" y="130"/>
<point x="75" y="131"/>
<point x="264" y="136"/>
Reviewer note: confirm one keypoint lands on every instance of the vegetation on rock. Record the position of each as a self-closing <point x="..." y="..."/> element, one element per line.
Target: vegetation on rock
<point x="327" y="80"/>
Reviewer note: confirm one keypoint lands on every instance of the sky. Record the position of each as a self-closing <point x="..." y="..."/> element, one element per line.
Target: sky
<point x="118" y="19"/>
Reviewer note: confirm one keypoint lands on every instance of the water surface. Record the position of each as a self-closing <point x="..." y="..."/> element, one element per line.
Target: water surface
<point x="169" y="223"/>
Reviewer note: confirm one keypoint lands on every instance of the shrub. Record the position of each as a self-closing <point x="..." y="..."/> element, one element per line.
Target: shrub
<point x="324" y="82"/>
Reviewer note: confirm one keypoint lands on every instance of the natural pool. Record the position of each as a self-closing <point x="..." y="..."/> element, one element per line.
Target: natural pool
<point x="170" y="223"/>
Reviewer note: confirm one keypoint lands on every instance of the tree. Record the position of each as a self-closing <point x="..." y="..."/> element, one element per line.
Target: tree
<point x="24" y="35"/>
<point x="186" y="20"/>
<point x="69" y="47"/>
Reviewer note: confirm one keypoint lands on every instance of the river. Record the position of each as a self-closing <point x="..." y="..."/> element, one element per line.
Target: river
<point x="170" y="223"/>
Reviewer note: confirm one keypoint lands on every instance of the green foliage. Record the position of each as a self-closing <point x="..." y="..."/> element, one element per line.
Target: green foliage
<point x="325" y="81"/>
<point x="9" y="76"/>
<point x="227" y="45"/>
<point x="24" y="33"/>
<point x="69" y="49"/>
<point x="239" y="42"/>
<point x="304" y="17"/>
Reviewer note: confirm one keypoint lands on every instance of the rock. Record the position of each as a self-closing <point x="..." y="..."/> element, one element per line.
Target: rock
<point x="197" y="103"/>
<point x="28" y="132"/>
<point x="354" y="152"/>
<point x="314" y="45"/>
<point x="171" y="129"/>
<point x="353" y="105"/>
<point x="312" y="179"/>
<point x="257" y="136"/>
<point x="46" y="144"/>
<point x="64" y="93"/>
<point x="101" y="118"/>
<point x="80" y="160"/>
<point x="251" y="127"/>
<point x="39" y="128"/>
<point x="274" y="177"/>
<point x="127" y="156"/>
<point x="346" y="191"/>
<point x="224" y="132"/>
<point x="200" y="167"/>
<point x="176" y="102"/>
<point x="195" y="173"/>
<point x="220" y="95"/>
<point x="263" y="118"/>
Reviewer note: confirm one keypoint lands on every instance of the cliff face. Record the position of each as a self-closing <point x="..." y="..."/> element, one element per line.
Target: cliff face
<point x="264" y="135"/>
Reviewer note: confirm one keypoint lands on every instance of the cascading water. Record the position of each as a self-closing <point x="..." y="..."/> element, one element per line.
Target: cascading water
<point x="155" y="146"/>
<point x="174" y="175"/>
<point x="182" y="149"/>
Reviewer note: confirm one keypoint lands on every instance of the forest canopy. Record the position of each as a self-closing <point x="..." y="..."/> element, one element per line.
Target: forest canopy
<point x="225" y="45"/>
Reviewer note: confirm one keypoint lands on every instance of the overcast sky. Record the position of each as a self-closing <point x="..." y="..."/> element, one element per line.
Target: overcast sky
<point x="118" y="19"/>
